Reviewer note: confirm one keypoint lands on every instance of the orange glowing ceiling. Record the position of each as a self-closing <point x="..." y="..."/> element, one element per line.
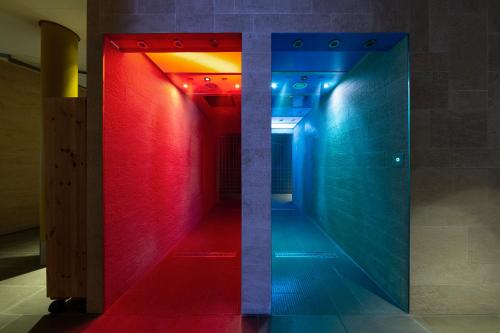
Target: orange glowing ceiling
<point x="198" y="62"/>
<point x="201" y="73"/>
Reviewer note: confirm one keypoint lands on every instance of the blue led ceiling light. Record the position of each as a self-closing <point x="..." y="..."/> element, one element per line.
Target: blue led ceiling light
<point x="299" y="85"/>
<point x="274" y="85"/>
<point x="297" y="44"/>
<point x="370" y="42"/>
<point x="334" y="43"/>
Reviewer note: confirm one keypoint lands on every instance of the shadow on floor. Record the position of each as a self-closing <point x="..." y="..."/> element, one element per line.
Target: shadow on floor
<point x="18" y="265"/>
<point x="62" y="323"/>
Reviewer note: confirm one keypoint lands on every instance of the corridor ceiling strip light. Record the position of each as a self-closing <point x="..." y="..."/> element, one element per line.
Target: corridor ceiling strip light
<point x="284" y="125"/>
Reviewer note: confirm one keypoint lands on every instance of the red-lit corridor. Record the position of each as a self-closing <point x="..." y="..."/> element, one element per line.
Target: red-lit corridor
<point x="199" y="278"/>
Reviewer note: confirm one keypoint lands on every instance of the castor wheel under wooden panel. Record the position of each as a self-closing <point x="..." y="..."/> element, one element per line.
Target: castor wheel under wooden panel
<point x="57" y="306"/>
<point x="76" y="304"/>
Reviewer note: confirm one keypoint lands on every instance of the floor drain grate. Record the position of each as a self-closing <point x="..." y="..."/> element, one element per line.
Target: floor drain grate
<point x="208" y="254"/>
<point x="312" y="255"/>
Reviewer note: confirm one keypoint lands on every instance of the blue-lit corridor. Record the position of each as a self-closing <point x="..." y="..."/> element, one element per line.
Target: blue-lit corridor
<point x="316" y="287"/>
<point x="340" y="183"/>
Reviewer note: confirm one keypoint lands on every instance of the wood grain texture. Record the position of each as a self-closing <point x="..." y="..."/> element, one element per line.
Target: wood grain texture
<point x="64" y="174"/>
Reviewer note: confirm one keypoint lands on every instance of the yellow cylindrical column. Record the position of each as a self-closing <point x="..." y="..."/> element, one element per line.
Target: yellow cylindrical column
<point x="59" y="78"/>
<point x="59" y="60"/>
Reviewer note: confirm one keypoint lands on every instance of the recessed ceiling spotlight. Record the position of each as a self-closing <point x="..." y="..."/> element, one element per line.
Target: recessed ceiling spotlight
<point x="185" y="85"/>
<point x="142" y="44"/>
<point x="334" y="43"/>
<point x="274" y="85"/>
<point x="298" y="43"/>
<point x="299" y="85"/>
<point x="206" y="78"/>
<point x="237" y="86"/>
<point x="178" y="43"/>
<point x="370" y="42"/>
<point x="326" y="85"/>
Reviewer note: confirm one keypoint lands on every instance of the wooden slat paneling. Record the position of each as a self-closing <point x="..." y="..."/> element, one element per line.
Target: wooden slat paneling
<point x="64" y="177"/>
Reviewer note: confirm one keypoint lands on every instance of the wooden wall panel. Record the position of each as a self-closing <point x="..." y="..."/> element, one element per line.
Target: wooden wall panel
<point x="64" y="174"/>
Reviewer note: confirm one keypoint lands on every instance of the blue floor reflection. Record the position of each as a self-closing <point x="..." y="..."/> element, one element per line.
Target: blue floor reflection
<point x="316" y="287"/>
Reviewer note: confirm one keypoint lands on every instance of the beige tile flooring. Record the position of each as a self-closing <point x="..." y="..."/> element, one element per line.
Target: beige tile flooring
<point x="22" y="282"/>
<point x="461" y="323"/>
<point x="23" y="305"/>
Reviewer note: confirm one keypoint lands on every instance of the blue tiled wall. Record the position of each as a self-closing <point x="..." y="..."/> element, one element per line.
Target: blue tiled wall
<point x="281" y="163"/>
<point x="346" y="174"/>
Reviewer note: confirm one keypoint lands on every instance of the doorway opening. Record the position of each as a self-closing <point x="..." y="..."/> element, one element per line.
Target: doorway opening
<point x="340" y="235"/>
<point x="172" y="173"/>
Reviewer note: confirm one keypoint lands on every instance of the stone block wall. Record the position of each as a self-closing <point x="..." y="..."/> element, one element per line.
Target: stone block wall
<point x="455" y="129"/>
<point x="455" y="98"/>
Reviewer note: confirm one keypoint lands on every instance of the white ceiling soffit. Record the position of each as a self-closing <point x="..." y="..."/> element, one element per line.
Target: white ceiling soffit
<point x="20" y="34"/>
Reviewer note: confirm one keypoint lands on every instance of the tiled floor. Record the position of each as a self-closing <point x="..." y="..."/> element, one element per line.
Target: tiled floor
<point x="316" y="285"/>
<point x="195" y="288"/>
<point x="461" y="323"/>
<point x="22" y="282"/>
<point x="23" y="305"/>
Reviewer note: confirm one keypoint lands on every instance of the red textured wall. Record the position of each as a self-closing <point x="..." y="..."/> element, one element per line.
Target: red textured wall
<point x="155" y="144"/>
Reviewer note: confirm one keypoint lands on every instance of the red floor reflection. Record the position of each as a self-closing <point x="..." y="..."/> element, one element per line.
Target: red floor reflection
<point x="194" y="289"/>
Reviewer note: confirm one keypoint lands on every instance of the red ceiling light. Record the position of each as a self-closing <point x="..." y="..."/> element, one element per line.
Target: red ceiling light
<point x="237" y="86"/>
<point x="178" y="43"/>
<point x="185" y="85"/>
<point x="142" y="44"/>
<point x="206" y="78"/>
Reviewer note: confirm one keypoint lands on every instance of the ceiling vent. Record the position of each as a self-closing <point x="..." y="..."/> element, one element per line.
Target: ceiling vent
<point x="220" y="101"/>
